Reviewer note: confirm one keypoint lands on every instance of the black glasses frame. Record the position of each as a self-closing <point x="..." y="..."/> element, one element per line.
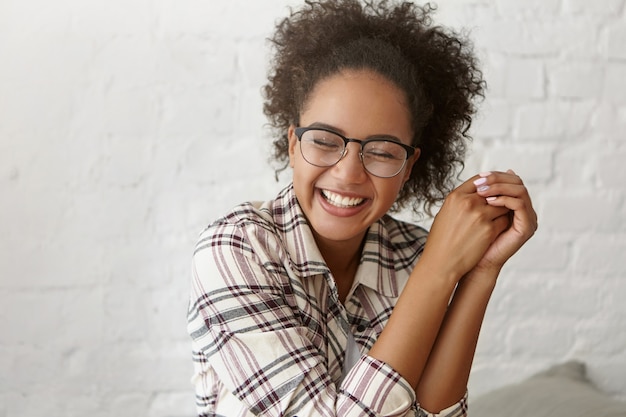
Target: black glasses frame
<point x="410" y="150"/>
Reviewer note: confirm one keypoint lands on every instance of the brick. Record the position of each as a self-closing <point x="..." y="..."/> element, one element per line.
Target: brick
<point x="172" y="404"/>
<point x="204" y="111"/>
<point x="600" y="255"/>
<point x="605" y="121"/>
<point x="614" y="86"/>
<point x="591" y="338"/>
<point x="39" y="75"/>
<point x="251" y="121"/>
<point x="540" y="339"/>
<point x="494" y="72"/>
<point x="493" y="120"/>
<point x="129" y="403"/>
<point x="143" y="367"/>
<point x="100" y="20"/>
<point x="525" y="78"/>
<point x="611" y="169"/>
<point x="61" y="318"/>
<point x="551" y="120"/>
<point x="539" y="38"/>
<point x="573" y="214"/>
<point x="569" y="79"/>
<point x="252" y="58"/>
<point x="556" y="296"/>
<point x="574" y="168"/>
<point x="529" y="8"/>
<point x="195" y="17"/>
<point x="616" y="41"/>
<point x="534" y="256"/>
<point x="532" y="164"/>
<point x="614" y="308"/>
<point x="605" y="8"/>
<point x="185" y="62"/>
<point x="41" y="402"/>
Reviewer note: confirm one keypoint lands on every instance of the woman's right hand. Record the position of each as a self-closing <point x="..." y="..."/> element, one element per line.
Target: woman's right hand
<point x="462" y="231"/>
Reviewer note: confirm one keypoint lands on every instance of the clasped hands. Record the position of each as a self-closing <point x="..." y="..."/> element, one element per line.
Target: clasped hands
<point x="481" y="224"/>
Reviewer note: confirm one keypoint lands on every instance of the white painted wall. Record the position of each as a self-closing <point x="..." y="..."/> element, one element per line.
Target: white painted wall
<point x="127" y="126"/>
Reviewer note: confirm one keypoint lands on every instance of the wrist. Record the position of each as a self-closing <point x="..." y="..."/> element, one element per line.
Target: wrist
<point x="485" y="277"/>
<point x="437" y="270"/>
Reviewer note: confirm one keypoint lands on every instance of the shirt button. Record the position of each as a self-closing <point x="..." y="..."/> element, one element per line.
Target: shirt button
<point x="361" y="328"/>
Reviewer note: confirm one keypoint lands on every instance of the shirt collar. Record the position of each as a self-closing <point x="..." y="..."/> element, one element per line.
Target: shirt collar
<point x="377" y="269"/>
<point x="295" y="232"/>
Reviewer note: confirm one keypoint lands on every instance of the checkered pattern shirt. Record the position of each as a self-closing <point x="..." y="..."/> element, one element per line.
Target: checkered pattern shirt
<point x="269" y="333"/>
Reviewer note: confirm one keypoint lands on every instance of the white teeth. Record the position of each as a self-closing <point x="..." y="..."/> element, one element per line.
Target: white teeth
<point x="340" y="201"/>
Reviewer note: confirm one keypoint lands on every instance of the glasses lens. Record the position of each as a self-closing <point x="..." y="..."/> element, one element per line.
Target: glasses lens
<point x="383" y="158"/>
<point x="321" y="148"/>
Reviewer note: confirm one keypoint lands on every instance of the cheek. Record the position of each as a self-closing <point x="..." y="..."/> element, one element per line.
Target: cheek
<point x="390" y="190"/>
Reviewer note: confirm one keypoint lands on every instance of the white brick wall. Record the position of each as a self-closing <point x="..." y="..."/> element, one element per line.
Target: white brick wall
<point x="126" y="126"/>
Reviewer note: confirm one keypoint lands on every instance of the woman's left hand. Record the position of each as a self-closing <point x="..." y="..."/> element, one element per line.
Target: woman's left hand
<point x="506" y="189"/>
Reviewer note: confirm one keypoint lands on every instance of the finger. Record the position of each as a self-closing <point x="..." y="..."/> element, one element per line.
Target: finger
<point x="487" y="179"/>
<point x="469" y="186"/>
<point x="498" y="189"/>
<point x="502" y="222"/>
<point x="463" y="201"/>
<point x="523" y="212"/>
<point x="512" y="203"/>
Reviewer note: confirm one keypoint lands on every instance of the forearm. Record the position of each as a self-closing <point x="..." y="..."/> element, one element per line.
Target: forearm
<point x="445" y="376"/>
<point x="407" y="339"/>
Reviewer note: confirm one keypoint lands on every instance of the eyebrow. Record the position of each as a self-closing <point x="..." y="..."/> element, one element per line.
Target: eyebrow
<point x="337" y="130"/>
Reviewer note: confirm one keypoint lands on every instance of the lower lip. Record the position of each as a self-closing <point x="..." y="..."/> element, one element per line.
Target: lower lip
<point x="340" y="211"/>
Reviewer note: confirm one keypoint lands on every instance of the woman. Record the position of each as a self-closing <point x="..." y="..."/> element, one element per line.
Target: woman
<point x="319" y="303"/>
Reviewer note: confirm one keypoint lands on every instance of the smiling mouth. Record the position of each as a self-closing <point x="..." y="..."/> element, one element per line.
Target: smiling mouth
<point x="341" y="201"/>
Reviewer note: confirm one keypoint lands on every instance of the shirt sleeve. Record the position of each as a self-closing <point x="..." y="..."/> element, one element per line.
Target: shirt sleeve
<point x="252" y="338"/>
<point x="456" y="410"/>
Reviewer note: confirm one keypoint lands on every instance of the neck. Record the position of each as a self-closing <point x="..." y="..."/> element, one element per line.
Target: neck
<point x="342" y="257"/>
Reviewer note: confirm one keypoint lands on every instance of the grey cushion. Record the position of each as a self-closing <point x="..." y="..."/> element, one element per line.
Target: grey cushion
<point x="561" y="391"/>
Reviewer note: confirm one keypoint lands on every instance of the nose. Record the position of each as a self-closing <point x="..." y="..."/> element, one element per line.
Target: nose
<point x="350" y="168"/>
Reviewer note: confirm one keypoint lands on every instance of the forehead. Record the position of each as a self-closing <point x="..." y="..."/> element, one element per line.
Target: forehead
<point x="359" y="103"/>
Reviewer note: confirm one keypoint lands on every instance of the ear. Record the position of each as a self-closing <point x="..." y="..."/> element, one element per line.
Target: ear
<point x="409" y="164"/>
<point x="293" y="141"/>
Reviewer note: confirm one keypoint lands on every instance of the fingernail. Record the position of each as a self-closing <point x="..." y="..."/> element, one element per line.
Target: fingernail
<point x="491" y="198"/>
<point x="485" y="174"/>
<point x="480" y="181"/>
<point x="483" y="188"/>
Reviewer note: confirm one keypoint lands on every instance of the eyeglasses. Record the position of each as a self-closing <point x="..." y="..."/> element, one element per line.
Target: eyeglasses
<point x="380" y="157"/>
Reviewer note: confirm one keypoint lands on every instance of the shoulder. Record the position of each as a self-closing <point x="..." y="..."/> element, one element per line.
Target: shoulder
<point x="234" y="228"/>
<point x="253" y="226"/>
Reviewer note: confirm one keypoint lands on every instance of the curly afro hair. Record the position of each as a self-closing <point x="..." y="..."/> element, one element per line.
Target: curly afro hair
<point x="435" y="67"/>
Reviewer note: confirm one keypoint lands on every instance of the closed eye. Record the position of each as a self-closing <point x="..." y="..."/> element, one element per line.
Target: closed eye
<point x="384" y="150"/>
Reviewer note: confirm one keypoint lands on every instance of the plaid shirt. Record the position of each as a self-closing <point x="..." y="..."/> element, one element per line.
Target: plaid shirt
<point x="269" y="332"/>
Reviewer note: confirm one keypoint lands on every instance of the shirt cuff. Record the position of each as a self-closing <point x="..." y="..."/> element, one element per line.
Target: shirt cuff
<point x="458" y="409"/>
<point x="378" y="387"/>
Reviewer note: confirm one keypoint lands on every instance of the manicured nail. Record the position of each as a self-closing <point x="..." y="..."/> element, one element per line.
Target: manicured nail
<point x="491" y="198"/>
<point x="483" y="188"/>
<point x="480" y="181"/>
<point x="485" y="174"/>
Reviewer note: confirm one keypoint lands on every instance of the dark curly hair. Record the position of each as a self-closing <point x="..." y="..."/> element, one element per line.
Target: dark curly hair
<point x="435" y="67"/>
